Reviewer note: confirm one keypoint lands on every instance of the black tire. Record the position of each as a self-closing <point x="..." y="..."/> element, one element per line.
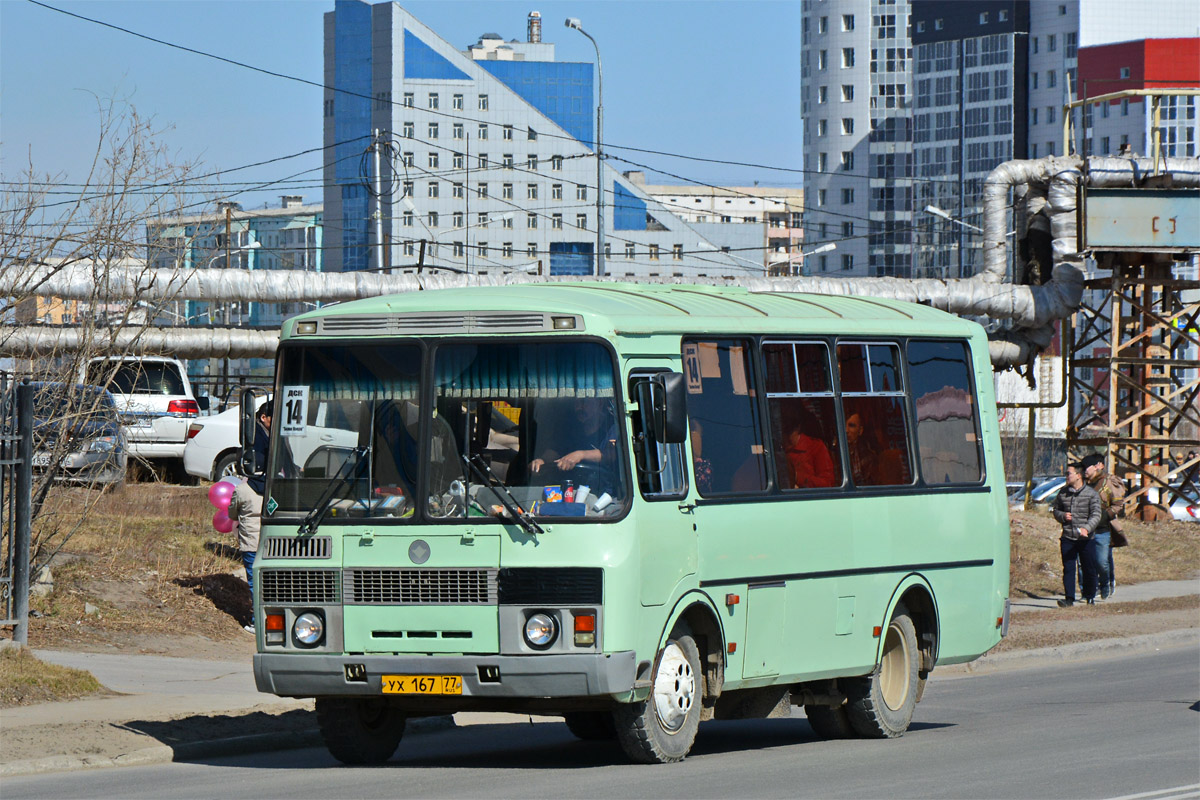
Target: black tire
<point x="225" y="466"/>
<point x="829" y="722"/>
<point x="662" y="728"/>
<point x="591" y="726"/>
<point x="881" y="705"/>
<point x="360" y="730"/>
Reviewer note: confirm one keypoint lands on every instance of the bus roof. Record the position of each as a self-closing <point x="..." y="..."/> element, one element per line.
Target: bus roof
<point x="630" y="308"/>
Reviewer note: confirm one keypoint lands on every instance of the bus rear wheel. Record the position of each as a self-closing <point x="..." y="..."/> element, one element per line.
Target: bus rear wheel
<point x="881" y="705"/>
<point x="360" y="730"/>
<point x="829" y="722"/>
<point x="662" y="728"/>
<point x="591" y="726"/>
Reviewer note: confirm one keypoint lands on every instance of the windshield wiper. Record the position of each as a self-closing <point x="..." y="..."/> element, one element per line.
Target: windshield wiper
<point x="488" y="478"/>
<point x="314" y="518"/>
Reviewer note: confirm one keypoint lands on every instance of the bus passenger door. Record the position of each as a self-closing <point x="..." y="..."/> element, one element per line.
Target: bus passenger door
<point x="665" y="529"/>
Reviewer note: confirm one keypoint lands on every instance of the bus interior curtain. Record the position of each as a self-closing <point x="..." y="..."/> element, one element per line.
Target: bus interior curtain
<point x="524" y="371"/>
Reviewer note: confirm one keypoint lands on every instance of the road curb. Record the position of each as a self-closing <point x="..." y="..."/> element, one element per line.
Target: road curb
<point x="195" y="751"/>
<point x="1079" y="651"/>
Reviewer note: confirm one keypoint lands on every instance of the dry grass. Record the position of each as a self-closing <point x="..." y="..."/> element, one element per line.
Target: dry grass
<point x="1157" y="551"/>
<point x="24" y="680"/>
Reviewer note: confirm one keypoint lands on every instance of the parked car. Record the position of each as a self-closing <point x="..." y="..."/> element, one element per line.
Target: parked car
<point x="212" y="446"/>
<point x="155" y="400"/>
<point x="94" y="450"/>
<point x="1185" y="507"/>
<point x="1044" y="492"/>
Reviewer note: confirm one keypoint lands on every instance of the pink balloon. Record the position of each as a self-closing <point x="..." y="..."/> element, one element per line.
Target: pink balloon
<point x="219" y="494"/>
<point x="222" y="522"/>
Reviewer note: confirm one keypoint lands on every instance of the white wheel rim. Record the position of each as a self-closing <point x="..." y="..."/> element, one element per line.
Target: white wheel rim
<point x="674" y="688"/>
<point x="893" y="669"/>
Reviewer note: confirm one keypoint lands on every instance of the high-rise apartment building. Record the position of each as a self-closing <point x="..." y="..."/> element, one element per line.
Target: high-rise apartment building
<point x="488" y="161"/>
<point x="856" y="59"/>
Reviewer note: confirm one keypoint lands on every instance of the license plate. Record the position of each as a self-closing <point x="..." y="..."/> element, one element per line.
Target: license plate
<point x="422" y="684"/>
<point x="41" y="459"/>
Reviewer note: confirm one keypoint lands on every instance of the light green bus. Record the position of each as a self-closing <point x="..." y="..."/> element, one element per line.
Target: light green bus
<point x="636" y="506"/>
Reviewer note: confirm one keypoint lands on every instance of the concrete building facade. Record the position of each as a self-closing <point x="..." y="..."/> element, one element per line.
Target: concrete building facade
<point x="487" y="160"/>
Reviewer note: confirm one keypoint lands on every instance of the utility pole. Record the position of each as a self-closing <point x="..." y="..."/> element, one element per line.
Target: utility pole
<point x="225" y="361"/>
<point x="378" y="204"/>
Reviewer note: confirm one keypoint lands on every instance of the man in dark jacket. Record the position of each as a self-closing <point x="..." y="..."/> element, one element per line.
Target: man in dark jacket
<point x="1077" y="508"/>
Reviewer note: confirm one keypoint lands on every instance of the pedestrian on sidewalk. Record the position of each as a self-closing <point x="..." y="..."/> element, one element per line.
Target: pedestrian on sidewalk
<point x="1077" y="508"/>
<point x="247" y="502"/>
<point x="1109" y="532"/>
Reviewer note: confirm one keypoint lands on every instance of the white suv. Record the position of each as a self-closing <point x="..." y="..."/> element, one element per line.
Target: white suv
<point x="154" y="398"/>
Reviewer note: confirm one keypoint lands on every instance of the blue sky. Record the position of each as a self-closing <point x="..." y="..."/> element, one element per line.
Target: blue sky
<point x="711" y="79"/>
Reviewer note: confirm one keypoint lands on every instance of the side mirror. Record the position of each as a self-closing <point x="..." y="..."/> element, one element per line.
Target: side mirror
<point x="669" y="407"/>
<point x="246" y="429"/>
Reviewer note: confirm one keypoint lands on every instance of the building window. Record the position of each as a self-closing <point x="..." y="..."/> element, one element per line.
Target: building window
<point x="482" y="191"/>
<point x="1002" y="15"/>
<point x="581" y="192"/>
<point x="1050" y="114"/>
<point x="1104" y="146"/>
<point x="822" y="162"/>
<point x="407" y="220"/>
<point x="531" y="250"/>
<point x="506" y="192"/>
<point x="457" y="102"/>
<point x="822" y="127"/>
<point x="1033" y="116"/>
<point x="556" y="222"/>
<point x="433" y="130"/>
<point x="483" y="102"/>
<point x="531" y="135"/>
<point x="1062" y="11"/>
<point x="847" y="159"/>
<point x="433" y="189"/>
<point x="433" y="160"/>
<point x="460" y="219"/>
<point x="531" y="163"/>
<point x="556" y="192"/>
<point x="531" y="220"/>
<point x="408" y="159"/>
<point x="847" y="229"/>
<point x="822" y="59"/>
<point x="409" y="249"/>
<point x="677" y="252"/>
<point x="531" y="191"/>
<point x="556" y="163"/>
<point x="483" y="130"/>
<point x="508" y="133"/>
<point x="457" y="191"/>
<point x="581" y="221"/>
<point x="1034" y="77"/>
<point x="481" y="161"/>
<point x="459" y="160"/>
<point x="847" y="22"/>
<point x="433" y="100"/>
<point x="1033" y="150"/>
<point x="847" y="57"/>
<point x="458" y="130"/>
<point x="506" y="160"/>
<point x="847" y="126"/>
<point x="409" y="100"/>
<point x="820" y="197"/>
<point x="1125" y="107"/>
<point x="410" y="130"/>
<point x="459" y="250"/>
<point x="847" y="92"/>
<point x="938" y="24"/>
<point x="847" y="262"/>
<point x="506" y="222"/>
<point x="654" y="252"/>
<point x="629" y="250"/>
<point x="983" y="18"/>
<point x="823" y="25"/>
<point x="1124" y="72"/>
<point x="847" y="196"/>
<point x="1051" y="79"/>
<point x="822" y="94"/>
<point x="1052" y="43"/>
<point x="482" y="249"/>
<point x="433" y="219"/>
<point x="506" y="250"/>
<point x="725" y="218"/>
<point x="407" y="189"/>
<point x="481" y="219"/>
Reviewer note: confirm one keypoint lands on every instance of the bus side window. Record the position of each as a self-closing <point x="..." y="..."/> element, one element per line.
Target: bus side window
<point x="947" y="413"/>
<point x="803" y="419"/>
<point x="659" y="466"/>
<point x="874" y="409"/>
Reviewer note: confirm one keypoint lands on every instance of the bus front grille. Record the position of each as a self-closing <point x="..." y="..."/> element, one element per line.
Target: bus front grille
<point x="408" y="586"/>
<point x="551" y="585"/>
<point x="289" y="547"/>
<point x="298" y="586"/>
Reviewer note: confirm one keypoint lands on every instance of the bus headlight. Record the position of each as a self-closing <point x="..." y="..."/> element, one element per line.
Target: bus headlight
<point x="540" y="630"/>
<point x="308" y="629"/>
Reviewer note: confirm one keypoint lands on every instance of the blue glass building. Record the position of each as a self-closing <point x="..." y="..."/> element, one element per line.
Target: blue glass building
<point x="488" y="163"/>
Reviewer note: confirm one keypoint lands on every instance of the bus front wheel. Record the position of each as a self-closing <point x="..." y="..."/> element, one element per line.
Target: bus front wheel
<point x="662" y="728"/>
<point x="360" y="730"/>
<point x="881" y="705"/>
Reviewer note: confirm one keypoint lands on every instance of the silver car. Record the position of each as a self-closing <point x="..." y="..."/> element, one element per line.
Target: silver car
<point x="77" y="433"/>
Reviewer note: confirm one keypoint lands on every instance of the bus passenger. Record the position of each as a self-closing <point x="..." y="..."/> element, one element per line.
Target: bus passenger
<point x="809" y="460"/>
<point x="862" y="454"/>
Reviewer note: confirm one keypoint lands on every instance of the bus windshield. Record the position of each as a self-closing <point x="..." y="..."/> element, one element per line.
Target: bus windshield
<point x="529" y="428"/>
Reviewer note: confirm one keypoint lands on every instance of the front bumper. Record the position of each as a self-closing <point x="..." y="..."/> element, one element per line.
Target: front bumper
<point x="540" y="676"/>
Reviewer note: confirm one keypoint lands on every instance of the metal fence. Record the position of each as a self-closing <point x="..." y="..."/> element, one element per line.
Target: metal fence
<point x="16" y="488"/>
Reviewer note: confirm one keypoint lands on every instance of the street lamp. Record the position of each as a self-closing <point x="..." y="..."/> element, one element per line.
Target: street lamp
<point x="571" y="22"/>
<point x="938" y="212"/>
<point x="828" y="247"/>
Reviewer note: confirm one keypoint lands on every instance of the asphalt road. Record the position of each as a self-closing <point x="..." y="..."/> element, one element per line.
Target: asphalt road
<point x="1099" y="729"/>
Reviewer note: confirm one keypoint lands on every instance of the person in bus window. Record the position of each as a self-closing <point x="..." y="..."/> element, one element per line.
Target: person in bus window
<point x="701" y="465"/>
<point x="858" y="447"/>
<point x="589" y="441"/>
<point x="808" y="457"/>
